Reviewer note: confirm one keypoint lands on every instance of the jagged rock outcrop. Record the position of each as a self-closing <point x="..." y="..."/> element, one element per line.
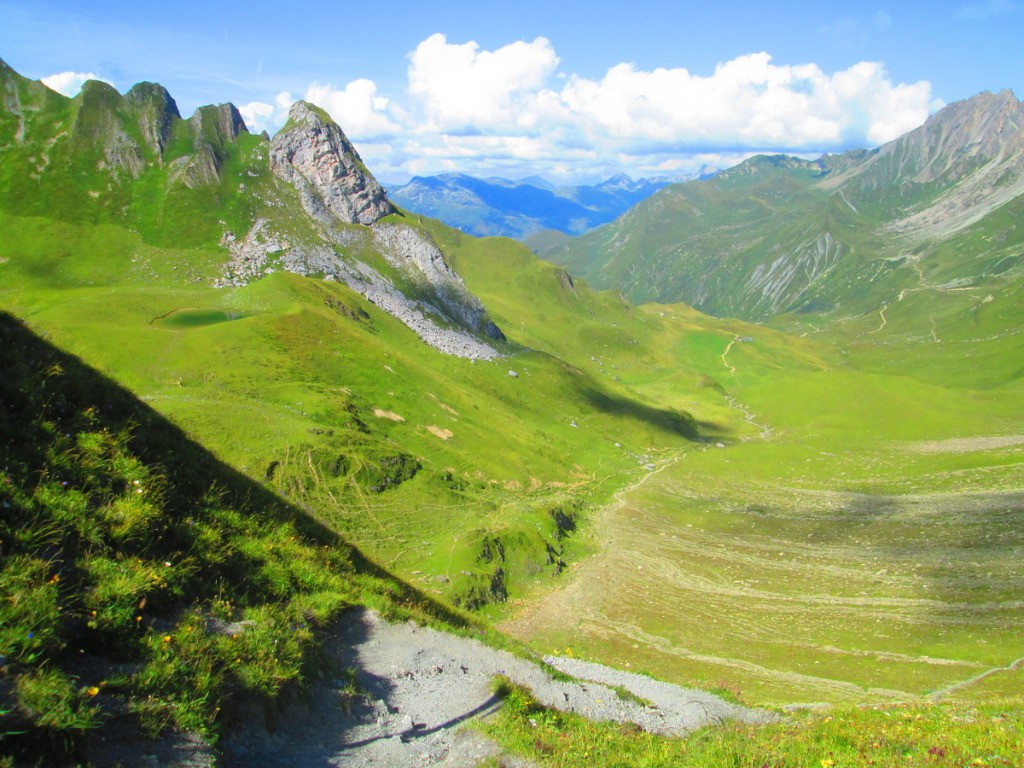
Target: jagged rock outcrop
<point x="973" y="149"/>
<point x="217" y="124"/>
<point x="157" y="113"/>
<point x="105" y="121"/>
<point x="313" y="154"/>
<point x="954" y="141"/>
<point x="214" y="128"/>
<point x="98" y="124"/>
<point x="449" y="318"/>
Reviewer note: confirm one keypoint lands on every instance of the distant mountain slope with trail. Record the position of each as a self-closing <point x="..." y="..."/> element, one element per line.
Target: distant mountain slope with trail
<point x="933" y="212"/>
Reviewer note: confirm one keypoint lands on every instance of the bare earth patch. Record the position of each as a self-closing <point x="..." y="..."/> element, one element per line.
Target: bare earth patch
<point x="444" y="406"/>
<point x="444" y="434"/>
<point x="380" y="413"/>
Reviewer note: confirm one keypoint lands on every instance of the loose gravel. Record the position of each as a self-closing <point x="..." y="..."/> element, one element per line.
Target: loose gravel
<point x="420" y="685"/>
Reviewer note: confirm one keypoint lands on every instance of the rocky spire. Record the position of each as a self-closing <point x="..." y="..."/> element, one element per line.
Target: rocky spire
<point x="217" y="124"/>
<point x="312" y="153"/>
<point x="157" y="112"/>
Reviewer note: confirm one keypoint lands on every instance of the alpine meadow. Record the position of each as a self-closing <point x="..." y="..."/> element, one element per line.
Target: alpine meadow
<point x="755" y="447"/>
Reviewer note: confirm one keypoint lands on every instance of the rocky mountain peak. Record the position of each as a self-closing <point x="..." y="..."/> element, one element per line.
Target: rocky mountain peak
<point x="218" y="123"/>
<point x="157" y="113"/>
<point x="153" y="96"/>
<point x="313" y="154"/>
<point x="214" y="127"/>
<point x="960" y="136"/>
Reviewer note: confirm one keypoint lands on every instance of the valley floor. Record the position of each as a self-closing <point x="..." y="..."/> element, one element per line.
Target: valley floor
<point x="811" y="563"/>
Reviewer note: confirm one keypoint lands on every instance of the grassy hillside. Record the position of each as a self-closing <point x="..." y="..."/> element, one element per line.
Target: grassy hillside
<point x="304" y="385"/>
<point x="856" y="537"/>
<point x="146" y="582"/>
<point x="113" y="245"/>
<point x="827" y="510"/>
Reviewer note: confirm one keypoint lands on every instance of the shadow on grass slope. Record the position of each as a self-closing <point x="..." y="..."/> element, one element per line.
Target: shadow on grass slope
<point x="143" y="582"/>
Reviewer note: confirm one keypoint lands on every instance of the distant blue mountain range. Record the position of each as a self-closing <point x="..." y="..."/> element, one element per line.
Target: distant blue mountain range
<point x="519" y="209"/>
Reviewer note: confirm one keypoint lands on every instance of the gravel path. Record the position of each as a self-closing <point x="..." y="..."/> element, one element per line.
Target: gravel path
<point x="422" y="684"/>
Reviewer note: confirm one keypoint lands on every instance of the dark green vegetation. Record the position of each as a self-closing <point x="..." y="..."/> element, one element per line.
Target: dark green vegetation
<point x="143" y="579"/>
<point x="856" y="537"/>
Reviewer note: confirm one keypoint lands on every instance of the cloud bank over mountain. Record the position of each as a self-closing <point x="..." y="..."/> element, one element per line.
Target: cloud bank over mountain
<point x="514" y="111"/>
<point x="70" y="83"/>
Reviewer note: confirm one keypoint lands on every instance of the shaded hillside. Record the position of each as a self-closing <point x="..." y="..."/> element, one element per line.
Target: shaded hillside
<point x="844" y="235"/>
<point x="146" y="583"/>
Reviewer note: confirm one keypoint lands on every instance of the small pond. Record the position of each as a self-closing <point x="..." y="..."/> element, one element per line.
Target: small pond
<point x="197" y="318"/>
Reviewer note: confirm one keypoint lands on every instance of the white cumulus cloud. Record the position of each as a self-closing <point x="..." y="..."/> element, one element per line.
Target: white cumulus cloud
<point x="513" y="110"/>
<point x="70" y="83"/>
<point x="477" y="107"/>
<point x="748" y="102"/>
<point x="261" y="116"/>
<point x="357" y="108"/>
<point x="463" y="88"/>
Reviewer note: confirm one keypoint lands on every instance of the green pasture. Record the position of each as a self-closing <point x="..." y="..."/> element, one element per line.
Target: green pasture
<point x="863" y="545"/>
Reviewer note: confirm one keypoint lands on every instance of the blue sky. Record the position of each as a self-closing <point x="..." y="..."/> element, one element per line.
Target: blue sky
<point x="572" y="90"/>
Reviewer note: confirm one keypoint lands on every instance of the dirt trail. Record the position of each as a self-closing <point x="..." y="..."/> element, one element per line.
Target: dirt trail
<point x="725" y="354"/>
<point x="943" y="692"/>
<point x="421" y="685"/>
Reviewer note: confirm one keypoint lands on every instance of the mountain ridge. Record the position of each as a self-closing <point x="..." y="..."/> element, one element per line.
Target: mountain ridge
<point x="846" y="233"/>
<point x="518" y="209"/>
<point x="166" y="175"/>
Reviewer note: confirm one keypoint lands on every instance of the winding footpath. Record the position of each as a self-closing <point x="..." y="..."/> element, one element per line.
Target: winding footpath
<point x="421" y="685"/>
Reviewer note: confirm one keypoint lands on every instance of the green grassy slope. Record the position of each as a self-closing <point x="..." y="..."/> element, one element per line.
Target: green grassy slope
<point x="145" y="581"/>
<point x="112" y="247"/>
<point x="859" y="541"/>
<point x="306" y="386"/>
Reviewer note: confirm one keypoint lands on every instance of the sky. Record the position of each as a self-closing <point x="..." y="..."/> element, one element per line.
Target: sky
<point x="571" y="91"/>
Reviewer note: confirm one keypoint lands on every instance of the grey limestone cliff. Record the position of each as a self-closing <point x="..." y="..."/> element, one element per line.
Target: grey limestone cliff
<point x="313" y="154"/>
<point x="417" y="258"/>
